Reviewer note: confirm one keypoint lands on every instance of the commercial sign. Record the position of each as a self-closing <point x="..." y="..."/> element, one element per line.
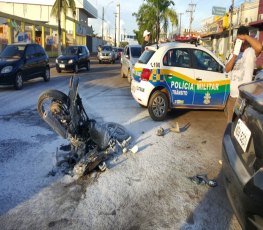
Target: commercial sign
<point x="217" y="10"/>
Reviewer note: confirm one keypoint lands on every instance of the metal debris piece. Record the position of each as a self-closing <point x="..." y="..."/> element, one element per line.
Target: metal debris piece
<point x="160" y="132"/>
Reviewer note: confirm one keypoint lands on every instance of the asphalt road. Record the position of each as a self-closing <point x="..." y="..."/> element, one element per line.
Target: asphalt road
<point x="148" y="190"/>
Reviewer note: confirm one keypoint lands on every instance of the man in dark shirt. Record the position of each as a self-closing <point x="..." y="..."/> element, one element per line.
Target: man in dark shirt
<point x="146" y="42"/>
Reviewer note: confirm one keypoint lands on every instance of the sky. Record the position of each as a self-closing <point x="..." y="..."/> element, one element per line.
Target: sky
<point x="203" y="10"/>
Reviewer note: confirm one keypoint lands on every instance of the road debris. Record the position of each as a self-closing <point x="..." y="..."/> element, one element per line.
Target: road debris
<point x="203" y="179"/>
<point x="175" y="129"/>
<point x="160" y="132"/>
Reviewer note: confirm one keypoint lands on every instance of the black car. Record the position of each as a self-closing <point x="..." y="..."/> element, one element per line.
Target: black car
<point x="73" y="58"/>
<point x="21" y="62"/>
<point x="242" y="154"/>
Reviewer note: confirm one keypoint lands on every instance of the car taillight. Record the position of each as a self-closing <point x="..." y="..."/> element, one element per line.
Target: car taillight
<point x="146" y="73"/>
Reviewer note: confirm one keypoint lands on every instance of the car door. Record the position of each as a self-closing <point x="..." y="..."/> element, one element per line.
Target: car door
<point x="212" y="83"/>
<point x="179" y="76"/>
<point x="126" y="60"/>
<point x="40" y="60"/>
<point x="30" y="66"/>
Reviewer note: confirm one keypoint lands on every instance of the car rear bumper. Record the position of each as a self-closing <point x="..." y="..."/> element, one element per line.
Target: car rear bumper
<point x="106" y="58"/>
<point x="235" y="177"/>
<point x="141" y="91"/>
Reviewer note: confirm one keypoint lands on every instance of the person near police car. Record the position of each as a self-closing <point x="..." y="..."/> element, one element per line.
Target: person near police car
<point x="146" y="41"/>
<point x="240" y="67"/>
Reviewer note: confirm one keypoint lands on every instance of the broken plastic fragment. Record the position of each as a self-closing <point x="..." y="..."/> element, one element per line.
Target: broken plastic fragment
<point x="134" y="149"/>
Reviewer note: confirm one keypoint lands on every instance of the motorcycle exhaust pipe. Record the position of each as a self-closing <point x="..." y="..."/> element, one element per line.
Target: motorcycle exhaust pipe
<point x="54" y="124"/>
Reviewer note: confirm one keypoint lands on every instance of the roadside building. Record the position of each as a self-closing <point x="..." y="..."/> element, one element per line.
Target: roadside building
<point x="27" y="21"/>
<point x="216" y="30"/>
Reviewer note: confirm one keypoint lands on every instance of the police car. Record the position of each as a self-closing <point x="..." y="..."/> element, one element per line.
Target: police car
<point x="179" y="75"/>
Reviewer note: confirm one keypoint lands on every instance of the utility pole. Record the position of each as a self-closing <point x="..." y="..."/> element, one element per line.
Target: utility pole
<point x="59" y="28"/>
<point x="102" y="27"/>
<point x="118" y="24"/>
<point x="180" y="16"/>
<point x="115" y="29"/>
<point x="230" y="25"/>
<point x="191" y="10"/>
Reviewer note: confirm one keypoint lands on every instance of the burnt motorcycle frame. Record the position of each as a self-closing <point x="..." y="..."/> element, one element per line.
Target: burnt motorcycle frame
<point x="68" y="118"/>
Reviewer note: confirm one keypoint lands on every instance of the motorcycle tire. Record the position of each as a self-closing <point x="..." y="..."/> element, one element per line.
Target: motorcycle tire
<point x="52" y="95"/>
<point x="117" y="131"/>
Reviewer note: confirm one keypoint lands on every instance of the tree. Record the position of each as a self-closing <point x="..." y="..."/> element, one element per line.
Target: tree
<point x="155" y="15"/>
<point x="62" y="6"/>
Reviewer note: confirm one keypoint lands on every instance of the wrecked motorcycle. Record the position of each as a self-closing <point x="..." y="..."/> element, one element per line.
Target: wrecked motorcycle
<point x="91" y="143"/>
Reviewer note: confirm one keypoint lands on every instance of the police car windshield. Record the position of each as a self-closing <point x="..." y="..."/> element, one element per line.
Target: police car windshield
<point x="146" y="56"/>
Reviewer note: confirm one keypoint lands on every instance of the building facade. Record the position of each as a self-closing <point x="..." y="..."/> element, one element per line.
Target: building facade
<point x="25" y="21"/>
<point x="218" y="35"/>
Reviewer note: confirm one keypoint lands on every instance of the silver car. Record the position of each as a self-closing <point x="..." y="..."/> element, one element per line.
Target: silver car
<point x="106" y="54"/>
<point x="128" y="59"/>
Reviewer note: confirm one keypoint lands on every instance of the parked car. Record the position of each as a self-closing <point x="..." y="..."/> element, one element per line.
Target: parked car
<point x="120" y="51"/>
<point x="242" y="153"/>
<point x="106" y="54"/>
<point x="73" y="58"/>
<point x="129" y="57"/>
<point x="21" y="62"/>
<point x="115" y="49"/>
<point x="179" y="75"/>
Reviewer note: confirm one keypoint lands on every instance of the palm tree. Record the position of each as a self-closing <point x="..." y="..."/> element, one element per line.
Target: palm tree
<point x="155" y="14"/>
<point x="62" y="6"/>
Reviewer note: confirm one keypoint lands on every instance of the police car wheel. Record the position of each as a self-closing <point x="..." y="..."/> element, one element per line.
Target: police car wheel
<point x="158" y="106"/>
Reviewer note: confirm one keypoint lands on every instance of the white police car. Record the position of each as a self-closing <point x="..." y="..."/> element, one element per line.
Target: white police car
<point x="179" y="75"/>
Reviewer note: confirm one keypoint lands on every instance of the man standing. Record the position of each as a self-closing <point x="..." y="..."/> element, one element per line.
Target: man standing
<point x="241" y="66"/>
<point x="146" y="42"/>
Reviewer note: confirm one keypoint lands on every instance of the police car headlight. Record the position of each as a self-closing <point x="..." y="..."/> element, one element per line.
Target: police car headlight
<point x="70" y="61"/>
<point x="7" y="69"/>
<point x="56" y="60"/>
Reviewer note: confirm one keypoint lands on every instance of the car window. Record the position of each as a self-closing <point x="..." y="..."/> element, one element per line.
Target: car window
<point x="83" y="50"/>
<point x="106" y="48"/>
<point x="128" y="51"/>
<point x="177" y="57"/>
<point x="146" y="56"/>
<point x="70" y="50"/>
<point x="204" y="61"/>
<point x="30" y="52"/>
<point x="13" y="51"/>
<point x="136" y="52"/>
<point x="39" y="51"/>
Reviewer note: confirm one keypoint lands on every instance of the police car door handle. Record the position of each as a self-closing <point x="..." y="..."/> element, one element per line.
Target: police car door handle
<point x="170" y="75"/>
<point x="198" y="79"/>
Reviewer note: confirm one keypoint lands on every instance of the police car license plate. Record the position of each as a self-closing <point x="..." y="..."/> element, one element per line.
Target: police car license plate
<point x="242" y="134"/>
<point x="61" y="65"/>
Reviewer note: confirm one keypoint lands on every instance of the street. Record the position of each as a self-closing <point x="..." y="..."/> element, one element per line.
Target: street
<point x="150" y="189"/>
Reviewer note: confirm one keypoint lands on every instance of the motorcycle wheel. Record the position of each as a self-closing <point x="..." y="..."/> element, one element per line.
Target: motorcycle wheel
<point x="54" y="101"/>
<point x="117" y="131"/>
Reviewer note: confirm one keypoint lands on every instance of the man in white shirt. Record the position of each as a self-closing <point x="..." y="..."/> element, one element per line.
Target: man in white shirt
<point x="241" y="66"/>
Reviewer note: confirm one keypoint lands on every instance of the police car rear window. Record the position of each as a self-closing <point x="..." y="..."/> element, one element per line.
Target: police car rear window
<point x="146" y="56"/>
